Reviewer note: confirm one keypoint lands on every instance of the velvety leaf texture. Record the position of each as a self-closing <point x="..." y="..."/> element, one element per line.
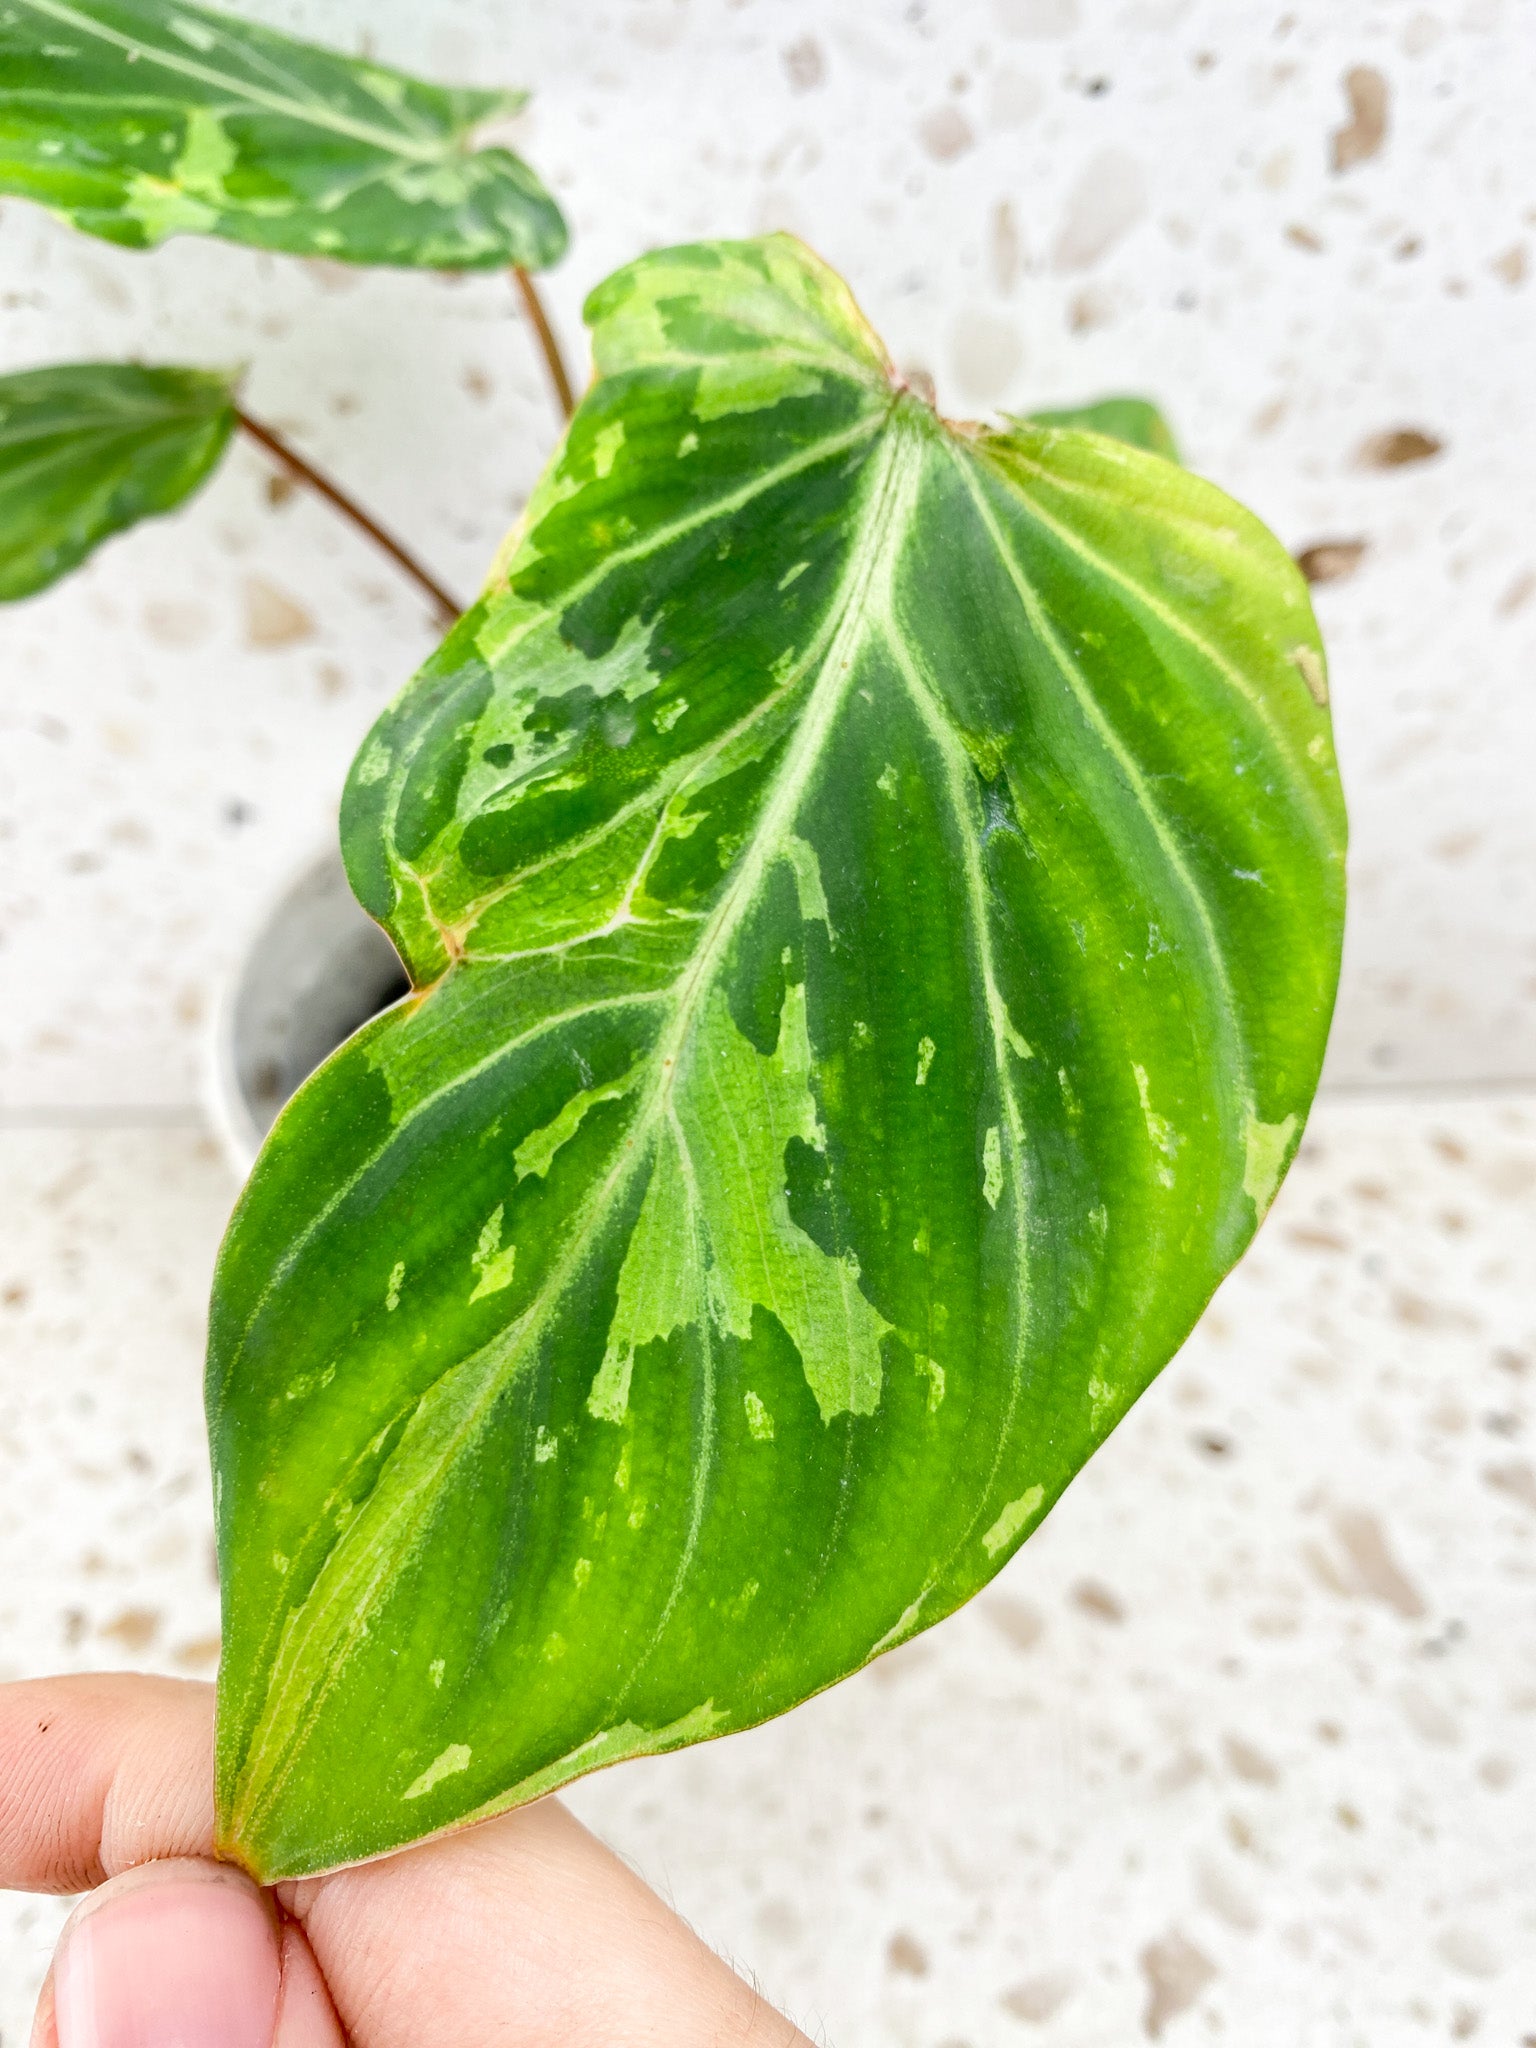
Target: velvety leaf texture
<point x="875" y="894"/>
<point x="139" y="119"/>
<point x="89" y="448"/>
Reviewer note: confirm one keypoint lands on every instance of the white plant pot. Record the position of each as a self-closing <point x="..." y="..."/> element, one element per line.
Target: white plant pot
<point x="315" y="968"/>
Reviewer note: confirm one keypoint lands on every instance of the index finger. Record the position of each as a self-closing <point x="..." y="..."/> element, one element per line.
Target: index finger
<point x="100" y="1773"/>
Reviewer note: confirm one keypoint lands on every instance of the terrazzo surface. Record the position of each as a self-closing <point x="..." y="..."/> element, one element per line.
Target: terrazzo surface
<point x="1241" y="1746"/>
<point x="1037" y="201"/>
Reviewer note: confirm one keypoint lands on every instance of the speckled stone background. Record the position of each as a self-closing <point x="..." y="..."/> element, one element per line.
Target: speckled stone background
<point x="1243" y="1745"/>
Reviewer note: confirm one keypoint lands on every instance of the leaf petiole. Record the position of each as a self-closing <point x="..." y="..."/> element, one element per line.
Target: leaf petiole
<point x="448" y="606"/>
<point x="533" y="306"/>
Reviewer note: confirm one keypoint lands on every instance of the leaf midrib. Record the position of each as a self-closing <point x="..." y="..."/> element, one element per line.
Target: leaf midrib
<point x="885" y="495"/>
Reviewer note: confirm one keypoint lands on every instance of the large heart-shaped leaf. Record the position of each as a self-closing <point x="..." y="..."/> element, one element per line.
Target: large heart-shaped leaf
<point x="139" y="119"/>
<point x="874" y="890"/>
<point x="89" y="448"/>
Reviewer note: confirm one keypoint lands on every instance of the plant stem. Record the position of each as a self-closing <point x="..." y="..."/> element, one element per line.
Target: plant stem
<point x="449" y="607"/>
<point x="533" y="306"/>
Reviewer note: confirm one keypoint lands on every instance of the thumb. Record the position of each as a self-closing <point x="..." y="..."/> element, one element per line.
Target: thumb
<point x="183" y="1954"/>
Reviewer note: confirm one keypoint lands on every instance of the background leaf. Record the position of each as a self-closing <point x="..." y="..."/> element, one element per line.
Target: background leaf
<point x="139" y="119"/>
<point x="89" y="448"/>
<point x="875" y="891"/>
<point x="1134" y="420"/>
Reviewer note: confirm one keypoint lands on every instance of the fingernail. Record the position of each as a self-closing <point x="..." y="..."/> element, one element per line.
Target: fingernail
<point x="174" y="1955"/>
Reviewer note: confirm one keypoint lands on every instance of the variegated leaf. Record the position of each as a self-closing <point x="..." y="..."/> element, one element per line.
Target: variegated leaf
<point x="874" y="891"/>
<point x="87" y="449"/>
<point x="139" y="119"/>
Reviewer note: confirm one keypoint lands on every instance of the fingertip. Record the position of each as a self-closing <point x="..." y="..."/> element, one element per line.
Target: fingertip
<point x="179" y="1951"/>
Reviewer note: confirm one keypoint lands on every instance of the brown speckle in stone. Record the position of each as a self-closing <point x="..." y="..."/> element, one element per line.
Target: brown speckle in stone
<point x="1428" y="1718"/>
<point x="1313" y="1239"/>
<point x="1377" y="1573"/>
<point x="945" y="134"/>
<point x="1301" y="237"/>
<point x="1395" y="447"/>
<point x="1224" y="1896"/>
<point x="1005" y="247"/>
<point x="1176" y="1973"/>
<point x="1106" y="202"/>
<point x="1347" y="1817"/>
<point x="1497" y="1773"/>
<point x="1422" y="1314"/>
<point x="1363" y="134"/>
<point x="170" y="623"/>
<point x="1250" y="1764"/>
<point x="1211" y="1444"/>
<point x="15" y="1294"/>
<point x="1515" y="1480"/>
<point x="1088" y="310"/>
<point x="1036" y="17"/>
<point x="280" y="487"/>
<point x="805" y="65"/>
<point x="1097" y="1600"/>
<point x="1021" y="1624"/>
<point x="197" y="1655"/>
<point x="272" y="617"/>
<point x="1513" y="266"/>
<point x="1331" y="561"/>
<point x="1038" y="1999"/>
<point x="906" y="1956"/>
<point x="1519" y="593"/>
<point x="1466" y="1950"/>
<point x="135" y="1628"/>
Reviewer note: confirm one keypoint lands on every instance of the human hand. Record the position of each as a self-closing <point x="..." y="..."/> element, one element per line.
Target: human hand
<point x="523" y="1932"/>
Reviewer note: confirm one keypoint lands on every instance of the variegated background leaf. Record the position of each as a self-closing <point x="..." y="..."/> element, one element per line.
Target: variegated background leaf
<point x="139" y="119"/>
<point x="87" y="449"/>
<point x="875" y="894"/>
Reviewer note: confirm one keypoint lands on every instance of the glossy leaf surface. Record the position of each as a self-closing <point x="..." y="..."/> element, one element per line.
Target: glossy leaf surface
<point x="87" y="449"/>
<point x="139" y="119"/>
<point x="875" y="891"/>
